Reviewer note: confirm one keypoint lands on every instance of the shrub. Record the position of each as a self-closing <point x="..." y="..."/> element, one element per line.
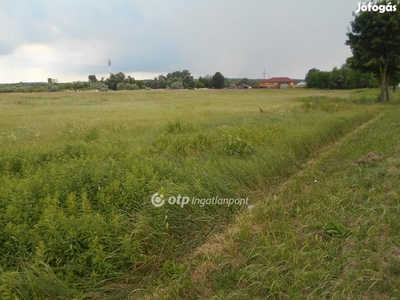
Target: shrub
<point x="99" y="86"/>
<point x="80" y="85"/>
<point x="237" y="147"/>
<point x="130" y="86"/>
<point x="176" y="85"/>
<point x="120" y="86"/>
<point x="53" y="88"/>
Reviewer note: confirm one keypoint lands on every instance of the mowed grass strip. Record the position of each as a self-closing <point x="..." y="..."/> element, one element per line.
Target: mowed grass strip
<point x="77" y="171"/>
<point x="329" y="232"/>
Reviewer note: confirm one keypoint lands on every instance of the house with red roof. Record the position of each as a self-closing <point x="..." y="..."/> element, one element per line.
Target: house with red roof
<point x="277" y="83"/>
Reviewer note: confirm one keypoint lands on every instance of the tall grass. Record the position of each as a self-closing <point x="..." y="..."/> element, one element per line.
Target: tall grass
<point x="77" y="172"/>
<point x="328" y="232"/>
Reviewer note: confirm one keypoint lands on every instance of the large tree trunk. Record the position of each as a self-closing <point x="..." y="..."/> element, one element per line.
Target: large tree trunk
<point x="384" y="83"/>
<point x="383" y="91"/>
<point x="387" y="89"/>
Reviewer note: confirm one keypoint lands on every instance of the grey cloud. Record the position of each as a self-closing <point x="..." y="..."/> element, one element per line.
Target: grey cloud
<point x="239" y="39"/>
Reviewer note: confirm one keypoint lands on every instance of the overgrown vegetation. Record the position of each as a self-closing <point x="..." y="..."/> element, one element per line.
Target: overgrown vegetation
<point x="77" y="174"/>
<point x="344" y="77"/>
<point x="330" y="231"/>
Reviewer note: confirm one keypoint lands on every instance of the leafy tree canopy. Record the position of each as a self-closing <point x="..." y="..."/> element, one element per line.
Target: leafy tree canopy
<point x="374" y="39"/>
<point x="218" y="81"/>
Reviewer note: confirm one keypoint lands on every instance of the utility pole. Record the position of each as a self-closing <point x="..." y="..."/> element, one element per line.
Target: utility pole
<point x="264" y="74"/>
<point x="109" y="66"/>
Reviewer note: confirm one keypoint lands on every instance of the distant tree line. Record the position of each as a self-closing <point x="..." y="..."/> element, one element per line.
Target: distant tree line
<point x="52" y="85"/>
<point x="120" y="81"/>
<point x="342" y="78"/>
<point x="175" y="80"/>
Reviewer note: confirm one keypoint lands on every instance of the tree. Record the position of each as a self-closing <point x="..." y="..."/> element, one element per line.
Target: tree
<point x="245" y="81"/>
<point x="188" y="80"/>
<point x="336" y="79"/>
<point x="114" y="79"/>
<point x="130" y="80"/>
<point x="343" y="78"/>
<point x="154" y="83"/>
<point x="374" y="40"/>
<point x="319" y="79"/>
<point x="52" y="80"/>
<point x="162" y="82"/>
<point x="205" y="82"/>
<point x="218" y="81"/>
<point x="184" y="77"/>
<point x="199" y="84"/>
<point x="356" y="79"/>
<point x="310" y="72"/>
<point x="92" y="78"/>
<point x="140" y="84"/>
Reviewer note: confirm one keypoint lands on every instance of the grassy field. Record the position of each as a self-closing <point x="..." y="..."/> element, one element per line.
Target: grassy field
<point x="78" y="170"/>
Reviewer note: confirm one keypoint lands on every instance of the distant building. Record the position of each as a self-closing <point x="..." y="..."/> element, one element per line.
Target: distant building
<point x="277" y="83"/>
<point x="301" y="84"/>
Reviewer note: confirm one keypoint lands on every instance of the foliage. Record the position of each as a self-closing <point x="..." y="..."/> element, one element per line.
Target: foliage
<point x="237" y="147"/>
<point x="120" y="81"/>
<point x="310" y="72"/>
<point x="51" y="87"/>
<point x="245" y="81"/>
<point x="120" y="86"/>
<point x="114" y="79"/>
<point x="129" y="86"/>
<point x="51" y="81"/>
<point x="176" y="85"/>
<point x="218" y="81"/>
<point x="204" y="82"/>
<point x="80" y="85"/>
<point x="184" y="77"/>
<point x="318" y="79"/>
<point x="374" y="40"/>
<point x="174" y="80"/>
<point x="343" y="78"/>
<point x="100" y="86"/>
<point x="92" y="78"/>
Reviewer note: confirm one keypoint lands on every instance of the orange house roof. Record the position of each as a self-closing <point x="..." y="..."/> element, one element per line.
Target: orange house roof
<point x="278" y="80"/>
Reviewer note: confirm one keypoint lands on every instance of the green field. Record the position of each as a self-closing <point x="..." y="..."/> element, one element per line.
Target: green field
<point x="78" y="170"/>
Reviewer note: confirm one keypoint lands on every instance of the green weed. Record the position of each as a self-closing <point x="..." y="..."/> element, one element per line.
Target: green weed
<point x="237" y="147"/>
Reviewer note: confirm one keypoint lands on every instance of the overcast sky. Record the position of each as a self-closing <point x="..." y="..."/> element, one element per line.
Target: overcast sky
<point x="70" y="39"/>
